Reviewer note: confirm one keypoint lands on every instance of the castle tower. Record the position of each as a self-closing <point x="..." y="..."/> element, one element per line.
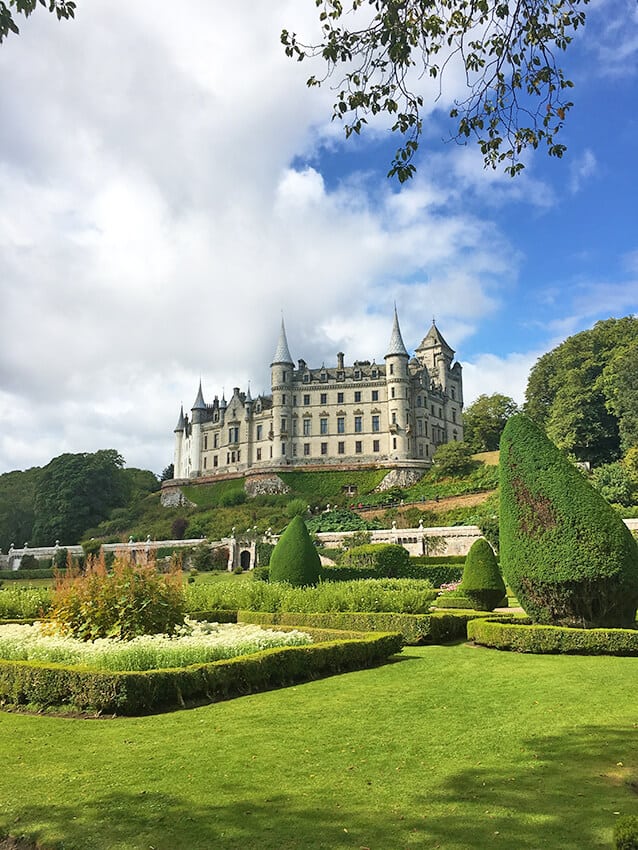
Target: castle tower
<point x="281" y="370"/>
<point x="435" y="354"/>
<point x="197" y="417"/>
<point x="179" y="442"/>
<point x="397" y="380"/>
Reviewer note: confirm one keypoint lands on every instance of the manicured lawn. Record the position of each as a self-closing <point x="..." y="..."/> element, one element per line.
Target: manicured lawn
<point x="451" y="747"/>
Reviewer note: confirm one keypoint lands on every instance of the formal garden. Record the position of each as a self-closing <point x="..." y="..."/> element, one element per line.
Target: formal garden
<point x="379" y="703"/>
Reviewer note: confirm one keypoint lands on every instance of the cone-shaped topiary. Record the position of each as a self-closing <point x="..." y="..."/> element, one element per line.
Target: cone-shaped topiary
<point x="565" y="552"/>
<point x="295" y="559"/>
<point x="482" y="582"/>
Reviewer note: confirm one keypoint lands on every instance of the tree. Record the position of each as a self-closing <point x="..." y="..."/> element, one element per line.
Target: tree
<point x="453" y="458"/>
<point x="517" y="95"/>
<point x="62" y="8"/>
<point x="75" y="492"/>
<point x="168" y="473"/>
<point x="581" y="392"/>
<point x="615" y="482"/>
<point x="565" y="551"/>
<point x="482" y="582"/>
<point x="484" y="420"/>
<point x="295" y="559"/>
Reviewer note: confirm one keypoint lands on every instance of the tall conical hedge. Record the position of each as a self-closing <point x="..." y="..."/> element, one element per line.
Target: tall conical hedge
<point x="482" y="582"/>
<point x="564" y="550"/>
<point x="295" y="558"/>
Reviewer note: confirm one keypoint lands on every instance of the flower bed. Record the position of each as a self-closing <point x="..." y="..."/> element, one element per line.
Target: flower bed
<point x="196" y="643"/>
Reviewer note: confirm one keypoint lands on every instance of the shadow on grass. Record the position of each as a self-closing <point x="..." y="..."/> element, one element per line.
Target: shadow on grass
<point x="564" y="797"/>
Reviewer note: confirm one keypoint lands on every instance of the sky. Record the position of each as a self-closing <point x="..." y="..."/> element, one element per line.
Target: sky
<point x="170" y="188"/>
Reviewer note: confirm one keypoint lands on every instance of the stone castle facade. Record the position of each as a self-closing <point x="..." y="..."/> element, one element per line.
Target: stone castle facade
<point x="390" y="414"/>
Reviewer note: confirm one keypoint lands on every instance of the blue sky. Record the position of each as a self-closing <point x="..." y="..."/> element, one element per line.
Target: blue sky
<point x="168" y="186"/>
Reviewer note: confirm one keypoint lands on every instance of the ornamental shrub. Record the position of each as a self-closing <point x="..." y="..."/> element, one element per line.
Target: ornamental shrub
<point x="626" y="833"/>
<point x="565" y="552"/>
<point x="130" y="600"/>
<point x="294" y="559"/>
<point x="386" y="560"/>
<point x="482" y="582"/>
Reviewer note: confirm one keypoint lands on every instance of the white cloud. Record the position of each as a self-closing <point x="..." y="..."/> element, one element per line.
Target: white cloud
<point x="581" y="169"/>
<point x="488" y="374"/>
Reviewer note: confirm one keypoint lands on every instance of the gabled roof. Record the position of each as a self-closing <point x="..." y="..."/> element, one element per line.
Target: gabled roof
<point x="396" y="346"/>
<point x="434" y="338"/>
<point x="282" y="352"/>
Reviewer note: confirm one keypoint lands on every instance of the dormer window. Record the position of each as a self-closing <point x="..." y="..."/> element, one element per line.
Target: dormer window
<point x="375" y="374"/>
<point x="341" y="376"/>
<point x="324" y="376"/>
<point x="306" y="377"/>
<point x="357" y="374"/>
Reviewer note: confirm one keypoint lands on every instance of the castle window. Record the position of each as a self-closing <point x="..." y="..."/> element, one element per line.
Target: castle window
<point x="341" y="448"/>
<point x="227" y="458"/>
<point x="394" y="417"/>
<point x="324" y="376"/>
<point x="260" y="429"/>
<point x="375" y="373"/>
<point x="341" y="376"/>
<point x="283" y="399"/>
<point x="392" y="392"/>
<point x="375" y="422"/>
<point x="440" y="413"/>
<point x="306" y="378"/>
<point x="433" y="410"/>
<point x="375" y="395"/>
<point x="205" y="462"/>
<point x="284" y="424"/>
<point x="357" y="396"/>
<point x="453" y="393"/>
<point x="283" y="449"/>
<point x="357" y="424"/>
<point x="324" y="448"/>
<point x="392" y="368"/>
<point x="339" y="398"/>
<point x="306" y="399"/>
<point x="323" y="426"/>
<point x="215" y="461"/>
<point x="205" y="445"/>
<point x="258" y="454"/>
<point x="294" y="401"/>
<point x="294" y="427"/>
<point x="394" y="442"/>
<point x="306" y="449"/>
<point x="426" y="429"/>
<point x="427" y="450"/>
<point x="341" y="425"/>
<point x="307" y="426"/>
<point x="215" y="440"/>
<point x="238" y="455"/>
<point x="419" y="427"/>
<point x="375" y="445"/>
<point x="419" y="401"/>
<point x="233" y="434"/>
<point x="232" y="457"/>
<point x="357" y="374"/>
<point x="284" y="376"/>
<point x="454" y="416"/>
<point x="420" y="449"/>
<point x="324" y="398"/>
<point x="358" y="447"/>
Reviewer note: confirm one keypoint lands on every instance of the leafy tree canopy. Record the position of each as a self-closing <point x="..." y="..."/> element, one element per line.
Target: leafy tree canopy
<point x="62" y="9"/>
<point x="75" y="492"/>
<point x="379" y="52"/>
<point x="453" y="458"/>
<point x="583" y="392"/>
<point x="484" y="420"/>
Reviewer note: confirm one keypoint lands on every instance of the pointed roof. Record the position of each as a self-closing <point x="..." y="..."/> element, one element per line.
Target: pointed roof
<point x="282" y="352"/>
<point x="248" y="395"/>
<point x="396" y="346"/>
<point x="199" y="404"/>
<point x="433" y="338"/>
<point x="180" y="422"/>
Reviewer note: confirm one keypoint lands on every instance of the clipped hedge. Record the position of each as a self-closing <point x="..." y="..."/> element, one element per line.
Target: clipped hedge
<point x="131" y="693"/>
<point x="26" y="575"/>
<point x="436" y="575"/>
<point x="214" y="616"/>
<point x="431" y="560"/>
<point x="415" y="629"/>
<point x="458" y="601"/>
<point x="522" y="636"/>
<point x="626" y="833"/>
<point x="482" y="582"/>
<point x="294" y="559"/>
<point x="565" y="552"/>
<point x="385" y="559"/>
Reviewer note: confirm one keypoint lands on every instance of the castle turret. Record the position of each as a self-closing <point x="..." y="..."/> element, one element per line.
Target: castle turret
<point x="435" y="354"/>
<point x="397" y="380"/>
<point x="179" y="442"/>
<point x="281" y="370"/>
<point x="197" y="417"/>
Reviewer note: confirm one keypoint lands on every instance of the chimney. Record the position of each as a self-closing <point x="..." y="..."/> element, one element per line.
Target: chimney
<point x="340" y="360"/>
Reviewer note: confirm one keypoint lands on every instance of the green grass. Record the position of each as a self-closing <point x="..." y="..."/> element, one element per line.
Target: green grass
<point x="454" y="748"/>
<point x="327" y="487"/>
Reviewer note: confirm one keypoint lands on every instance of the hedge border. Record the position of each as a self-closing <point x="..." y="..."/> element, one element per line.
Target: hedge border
<point x="523" y="636"/>
<point x="415" y="629"/>
<point x="452" y="601"/>
<point x="25" y="575"/>
<point x="27" y="683"/>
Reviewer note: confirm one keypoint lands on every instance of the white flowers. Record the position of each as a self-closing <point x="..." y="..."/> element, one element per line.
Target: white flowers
<point x="194" y="643"/>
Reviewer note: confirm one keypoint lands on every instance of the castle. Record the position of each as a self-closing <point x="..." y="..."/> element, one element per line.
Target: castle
<point x="392" y="414"/>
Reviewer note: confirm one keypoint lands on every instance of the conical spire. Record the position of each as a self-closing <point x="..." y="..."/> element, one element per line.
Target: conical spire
<point x="282" y="352"/>
<point x="200" y="404"/>
<point x="249" y="398"/>
<point x="180" y="422"/>
<point x="396" y="346"/>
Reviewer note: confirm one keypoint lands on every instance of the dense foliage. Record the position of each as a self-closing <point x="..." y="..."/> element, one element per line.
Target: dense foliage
<point x="523" y="637"/>
<point x="565" y="552"/>
<point x="295" y="559"/>
<point x="482" y="582"/>
<point x="453" y="458"/>
<point x="584" y="391"/>
<point x="484" y="420"/>
<point x="130" y="600"/>
<point x="385" y="560"/>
